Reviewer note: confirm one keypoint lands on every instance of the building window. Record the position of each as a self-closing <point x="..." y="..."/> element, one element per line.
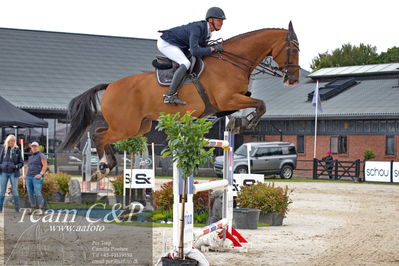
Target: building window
<point x="300" y="144"/>
<point x="339" y="144"/>
<point x="390" y="145"/>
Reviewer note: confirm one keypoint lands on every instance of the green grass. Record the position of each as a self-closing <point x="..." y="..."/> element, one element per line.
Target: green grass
<point x="263" y="225"/>
<point x="151" y="224"/>
<point x="53" y="205"/>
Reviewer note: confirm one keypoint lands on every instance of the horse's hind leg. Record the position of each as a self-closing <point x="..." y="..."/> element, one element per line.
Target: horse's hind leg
<point x="102" y="154"/>
<point x="105" y="153"/>
<point x="103" y="139"/>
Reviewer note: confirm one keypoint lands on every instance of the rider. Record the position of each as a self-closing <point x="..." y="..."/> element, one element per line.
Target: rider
<point x="180" y="42"/>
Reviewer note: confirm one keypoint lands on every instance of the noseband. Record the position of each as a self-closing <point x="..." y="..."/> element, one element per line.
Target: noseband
<point x="264" y="68"/>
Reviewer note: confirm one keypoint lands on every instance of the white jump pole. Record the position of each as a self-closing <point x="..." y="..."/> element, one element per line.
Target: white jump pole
<point x="214" y="185"/>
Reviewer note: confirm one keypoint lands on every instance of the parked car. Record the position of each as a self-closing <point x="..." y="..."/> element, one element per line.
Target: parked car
<point x="265" y="157"/>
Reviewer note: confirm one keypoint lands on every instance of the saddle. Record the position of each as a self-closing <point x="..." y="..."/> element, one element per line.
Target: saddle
<point x="165" y="68"/>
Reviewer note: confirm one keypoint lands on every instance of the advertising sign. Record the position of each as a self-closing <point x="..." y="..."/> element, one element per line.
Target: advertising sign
<point x="245" y="180"/>
<point x="395" y="172"/>
<point x="377" y="171"/>
<point x="141" y="178"/>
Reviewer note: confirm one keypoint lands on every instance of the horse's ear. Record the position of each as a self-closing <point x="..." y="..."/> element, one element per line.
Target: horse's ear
<point x="291" y="32"/>
<point x="290" y="27"/>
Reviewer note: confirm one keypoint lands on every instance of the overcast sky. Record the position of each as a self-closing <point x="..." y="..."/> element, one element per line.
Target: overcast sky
<point x="320" y="25"/>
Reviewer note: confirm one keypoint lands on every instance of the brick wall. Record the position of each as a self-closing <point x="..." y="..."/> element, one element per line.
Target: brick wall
<point x="356" y="146"/>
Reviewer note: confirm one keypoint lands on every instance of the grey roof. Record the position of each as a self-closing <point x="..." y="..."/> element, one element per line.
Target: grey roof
<point x="356" y="70"/>
<point x="372" y="97"/>
<point x="42" y="70"/>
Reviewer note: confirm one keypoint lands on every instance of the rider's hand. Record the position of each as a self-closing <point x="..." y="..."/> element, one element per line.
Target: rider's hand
<point x="218" y="48"/>
<point x="38" y="176"/>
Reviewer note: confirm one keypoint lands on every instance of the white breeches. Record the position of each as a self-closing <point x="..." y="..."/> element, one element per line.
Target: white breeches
<point x="173" y="52"/>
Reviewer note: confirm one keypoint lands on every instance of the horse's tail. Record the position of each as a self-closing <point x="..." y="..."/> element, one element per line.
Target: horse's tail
<point x="82" y="111"/>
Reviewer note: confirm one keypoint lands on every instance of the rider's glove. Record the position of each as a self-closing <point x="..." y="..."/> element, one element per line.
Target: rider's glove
<point x="218" y="48"/>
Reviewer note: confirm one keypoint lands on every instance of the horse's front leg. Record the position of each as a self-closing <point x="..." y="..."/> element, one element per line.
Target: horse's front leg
<point x="242" y="102"/>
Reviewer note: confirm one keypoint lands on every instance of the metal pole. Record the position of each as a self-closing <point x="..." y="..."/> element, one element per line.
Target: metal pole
<point x="124" y="181"/>
<point x="153" y="157"/>
<point x="88" y="156"/>
<point x="249" y="157"/>
<point x="47" y="142"/>
<point x="315" y="119"/>
<point x="55" y="154"/>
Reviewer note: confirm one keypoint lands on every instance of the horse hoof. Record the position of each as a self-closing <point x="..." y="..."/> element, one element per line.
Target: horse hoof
<point x="95" y="176"/>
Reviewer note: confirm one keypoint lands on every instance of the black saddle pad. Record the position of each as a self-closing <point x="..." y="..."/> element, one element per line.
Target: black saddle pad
<point x="165" y="68"/>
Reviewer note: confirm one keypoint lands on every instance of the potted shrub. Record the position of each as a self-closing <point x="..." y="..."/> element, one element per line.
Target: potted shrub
<point x="117" y="183"/>
<point x="62" y="180"/>
<point x="272" y="201"/>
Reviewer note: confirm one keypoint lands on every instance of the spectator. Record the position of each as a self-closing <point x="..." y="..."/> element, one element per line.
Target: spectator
<point x="10" y="164"/>
<point x="329" y="161"/>
<point x="37" y="166"/>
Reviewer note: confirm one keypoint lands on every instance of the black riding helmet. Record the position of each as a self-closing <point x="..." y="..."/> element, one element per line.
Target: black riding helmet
<point x="215" y="12"/>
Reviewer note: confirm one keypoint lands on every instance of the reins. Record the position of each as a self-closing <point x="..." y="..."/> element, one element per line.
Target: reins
<point x="240" y="62"/>
<point x="264" y="68"/>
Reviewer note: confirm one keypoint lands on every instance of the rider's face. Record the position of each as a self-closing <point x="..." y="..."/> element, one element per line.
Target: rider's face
<point x="216" y="23"/>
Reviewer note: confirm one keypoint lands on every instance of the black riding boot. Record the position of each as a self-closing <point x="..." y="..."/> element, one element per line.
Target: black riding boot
<point x="171" y="95"/>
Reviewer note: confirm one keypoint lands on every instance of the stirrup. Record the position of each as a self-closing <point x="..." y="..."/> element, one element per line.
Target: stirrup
<point x="173" y="99"/>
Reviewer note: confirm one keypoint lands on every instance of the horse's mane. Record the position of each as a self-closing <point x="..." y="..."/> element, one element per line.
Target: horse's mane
<point x="243" y="35"/>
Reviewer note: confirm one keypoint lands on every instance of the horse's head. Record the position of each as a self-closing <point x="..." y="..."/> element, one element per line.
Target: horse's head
<point x="286" y="55"/>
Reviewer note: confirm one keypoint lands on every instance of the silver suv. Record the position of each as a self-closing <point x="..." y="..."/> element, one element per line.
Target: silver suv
<point x="265" y="158"/>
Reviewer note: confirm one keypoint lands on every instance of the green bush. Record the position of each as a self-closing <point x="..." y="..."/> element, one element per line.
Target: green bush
<point x="368" y="155"/>
<point x="22" y="190"/>
<point x="117" y="183"/>
<point x="159" y="215"/>
<point x="49" y="186"/>
<point x="265" y="197"/>
<point x="163" y="198"/>
<point x="62" y="180"/>
<point x="201" y="217"/>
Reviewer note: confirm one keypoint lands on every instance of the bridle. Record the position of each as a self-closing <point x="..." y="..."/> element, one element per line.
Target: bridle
<point x="262" y="67"/>
<point x="289" y="51"/>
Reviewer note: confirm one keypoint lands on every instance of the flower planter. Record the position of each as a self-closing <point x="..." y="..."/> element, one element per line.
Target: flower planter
<point x="266" y="218"/>
<point x="244" y="218"/>
<point x="119" y="199"/>
<point x="278" y="219"/>
<point x="271" y="218"/>
<point x="58" y="197"/>
<point x="89" y="197"/>
<point x="169" y="261"/>
<point x="24" y="202"/>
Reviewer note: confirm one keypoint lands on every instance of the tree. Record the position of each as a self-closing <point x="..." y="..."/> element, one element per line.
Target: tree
<point x="347" y="55"/>
<point x="186" y="142"/>
<point x="132" y="146"/>
<point x="390" y="56"/>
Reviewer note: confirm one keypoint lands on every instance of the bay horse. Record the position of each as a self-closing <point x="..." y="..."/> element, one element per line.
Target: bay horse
<point x="129" y="105"/>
